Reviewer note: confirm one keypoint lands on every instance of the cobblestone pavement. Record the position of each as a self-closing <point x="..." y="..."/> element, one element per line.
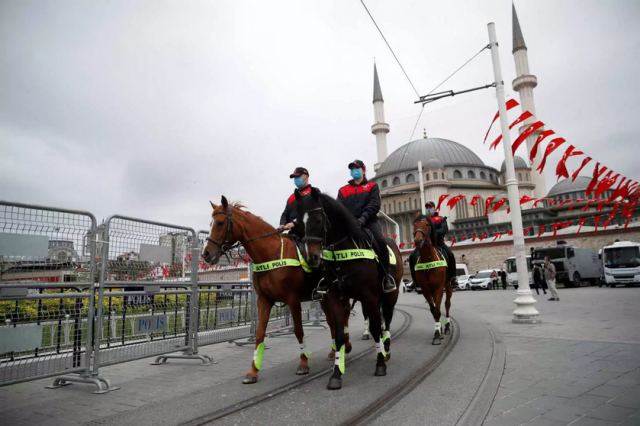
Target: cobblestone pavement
<point x="579" y="366"/>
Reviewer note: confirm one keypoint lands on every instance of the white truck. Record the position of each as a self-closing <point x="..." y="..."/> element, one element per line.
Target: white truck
<point x="512" y="273"/>
<point x="621" y="263"/>
<point x="574" y="266"/>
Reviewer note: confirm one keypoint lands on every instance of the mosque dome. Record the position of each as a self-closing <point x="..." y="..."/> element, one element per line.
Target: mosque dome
<point x="433" y="163"/>
<point x="444" y="151"/>
<point x="566" y="186"/>
<point x="518" y="163"/>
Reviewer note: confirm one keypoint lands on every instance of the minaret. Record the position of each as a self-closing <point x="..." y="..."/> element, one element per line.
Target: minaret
<point x="379" y="128"/>
<point x="524" y="85"/>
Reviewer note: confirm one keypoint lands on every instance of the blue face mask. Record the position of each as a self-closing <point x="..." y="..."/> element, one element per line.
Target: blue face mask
<point x="430" y="211"/>
<point x="356" y="173"/>
<point x="298" y="181"/>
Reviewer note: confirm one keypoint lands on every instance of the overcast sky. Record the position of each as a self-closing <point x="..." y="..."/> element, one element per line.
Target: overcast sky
<point x="151" y="108"/>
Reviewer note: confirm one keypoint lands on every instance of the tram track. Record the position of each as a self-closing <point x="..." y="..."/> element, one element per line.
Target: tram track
<point x="382" y="403"/>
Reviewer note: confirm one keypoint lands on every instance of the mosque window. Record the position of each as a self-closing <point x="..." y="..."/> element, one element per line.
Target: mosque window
<point x="384" y="183"/>
<point x="478" y="208"/>
<point x="404" y="205"/>
<point x="471" y="174"/>
<point x="410" y="178"/>
<point x="528" y="176"/>
<point x="426" y="175"/>
<point x="442" y="173"/>
<point x="457" y="174"/>
<point x="415" y="203"/>
<point x="519" y="176"/>
<point x="491" y="176"/>
<point x="461" y="209"/>
<point x="396" y="180"/>
<point x="483" y="175"/>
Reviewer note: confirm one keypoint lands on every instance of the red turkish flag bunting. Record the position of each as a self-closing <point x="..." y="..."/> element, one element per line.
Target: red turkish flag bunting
<point x="612" y="215"/>
<point x="454" y="200"/>
<point x="440" y="200"/>
<point x="534" y="148"/>
<point x="509" y="232"/>
<point x="453" y="241"/>
<point x="577" y="171"/>
<point x="553" y="145"/>
<point x="474" y="200"/>
<point x="526" y="199"/>
<point x="596" y="222"/>
<point x="606" y="183"/>
<point x="499" y="204"/>
<point x="524" y="135"/>
<point x="541" y="229"/>
<point x="581" y="222"/>
<point x="561" y="168"/>
<point x="510" y="104"/>
<point x="487" y="204"/>
<point x="519" y="120"/>
<point x="497" y="235"/>
<point x="597" y="172"/>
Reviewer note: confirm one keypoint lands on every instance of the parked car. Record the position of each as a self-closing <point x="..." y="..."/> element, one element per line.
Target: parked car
<point x="481" y="280"/>
<point x="464" y="282"/>
<point x="407" y="285"/>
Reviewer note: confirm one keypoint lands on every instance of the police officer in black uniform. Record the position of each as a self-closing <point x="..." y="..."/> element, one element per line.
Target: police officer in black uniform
<point x="440" y="229"/>
<point x="362" y="198"/>
<point x="300" y="178"/>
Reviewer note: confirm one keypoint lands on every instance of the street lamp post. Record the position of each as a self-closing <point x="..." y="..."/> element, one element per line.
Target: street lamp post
<point x="525" y="311"/>
<point x="421" y="183"/>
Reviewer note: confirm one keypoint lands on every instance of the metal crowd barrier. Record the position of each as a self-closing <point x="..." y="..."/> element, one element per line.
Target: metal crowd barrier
<point x="47" y="270"/>
<point x="75" y="297"/>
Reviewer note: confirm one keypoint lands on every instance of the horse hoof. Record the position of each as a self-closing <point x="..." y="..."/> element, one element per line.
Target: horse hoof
<point x="381" y="370"/>
<point x="366" y="336"/>
<point x="334" y="383"/>
<point x="447" y="329"/>
<point x="301" y="371"/>
<point x="347" y="347"/>
<point x="436" y="341"/>
<point x="387" y="345"/>
<point x="387" y="356"/>
<point x="249" y="380"/>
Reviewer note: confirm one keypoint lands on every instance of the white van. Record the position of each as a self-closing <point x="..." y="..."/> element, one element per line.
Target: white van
<point x="621" y="263"/>
<point x="512" y="273"/>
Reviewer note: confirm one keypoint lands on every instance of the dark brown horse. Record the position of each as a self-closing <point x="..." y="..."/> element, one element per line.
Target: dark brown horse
<point x="289" y="284"/>
<point x="334" y="241"/>
<point x="432" y="275"/>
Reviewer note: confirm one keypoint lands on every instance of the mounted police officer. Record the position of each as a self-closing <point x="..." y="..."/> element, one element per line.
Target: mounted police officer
<point x="288" y="222"/>
<point x="440" y="229"/>
<point x="362" y="198"/>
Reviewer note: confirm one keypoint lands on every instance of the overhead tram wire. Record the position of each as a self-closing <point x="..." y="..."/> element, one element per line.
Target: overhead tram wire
<point x="415" y="126"/>
<point x="390" y="49"/>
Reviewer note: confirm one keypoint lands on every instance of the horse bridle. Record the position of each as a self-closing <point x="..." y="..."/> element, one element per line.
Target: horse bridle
<point x="424" y="234"/>
<point x="226" y="245"/>
<point x="322" y="240"/>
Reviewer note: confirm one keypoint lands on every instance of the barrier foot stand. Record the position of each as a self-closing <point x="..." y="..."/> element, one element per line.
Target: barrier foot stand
<point x="102" y="384"/>
<point x="280" y="333"/>
<point x="244" y="342"/>
<point x="315" y="324"/>
<point x="205" y="359"/>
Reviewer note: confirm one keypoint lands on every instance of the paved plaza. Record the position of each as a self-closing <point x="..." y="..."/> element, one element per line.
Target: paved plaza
<point x="579" y="366"/>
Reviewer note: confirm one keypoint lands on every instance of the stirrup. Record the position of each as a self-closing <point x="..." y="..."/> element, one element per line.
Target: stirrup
<point x="319" y="291"/>
<point x="388" y="284"/>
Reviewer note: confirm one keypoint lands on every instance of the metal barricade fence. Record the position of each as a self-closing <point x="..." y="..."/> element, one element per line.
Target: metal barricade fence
<point x="148" y="293"/>
<point x="47" y="270"/>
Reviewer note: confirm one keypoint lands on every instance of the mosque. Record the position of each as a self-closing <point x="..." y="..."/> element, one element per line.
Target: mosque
<point x="451" y="168"/>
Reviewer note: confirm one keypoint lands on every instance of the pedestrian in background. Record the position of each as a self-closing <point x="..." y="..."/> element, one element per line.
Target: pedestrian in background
<point x="494" y="280"/>
<point x="550" y="277"/>
<point x="538" y="279"/>
<point x="503" y="278"/>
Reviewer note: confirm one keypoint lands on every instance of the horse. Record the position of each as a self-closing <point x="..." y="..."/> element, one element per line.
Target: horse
<point x="432" y="275"/>
<point x="289" y="284"/>
<point x="333" y="240"/>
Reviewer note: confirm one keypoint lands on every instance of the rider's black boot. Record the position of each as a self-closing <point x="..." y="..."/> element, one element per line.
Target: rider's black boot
<point x="388" y="284"/>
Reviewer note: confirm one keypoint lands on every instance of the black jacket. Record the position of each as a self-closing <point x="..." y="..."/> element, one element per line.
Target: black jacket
<point x="289" y="214"/>
<point x="440" y="228"/>
<point x="363" y="200"/>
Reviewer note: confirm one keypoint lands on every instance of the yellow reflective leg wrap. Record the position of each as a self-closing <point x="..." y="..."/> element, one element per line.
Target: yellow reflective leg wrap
<point x="333" y="345"/>
<point x="258" y="354"/>
<point x="340" y="359"/>
<point x="386" y="335"/>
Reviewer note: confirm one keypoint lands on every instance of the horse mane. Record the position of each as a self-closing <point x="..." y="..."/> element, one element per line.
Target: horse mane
<point x="242" y="209"/>
<point x="334" y="207"/>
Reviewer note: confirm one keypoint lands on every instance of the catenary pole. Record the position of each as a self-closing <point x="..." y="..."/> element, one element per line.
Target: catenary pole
<point x="525" y="311"/>
<point x="421" y="188"/>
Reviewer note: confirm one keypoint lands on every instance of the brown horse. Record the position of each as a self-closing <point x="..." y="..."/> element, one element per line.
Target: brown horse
<point x="432" y="275"/>
<point x="289" y="284"/>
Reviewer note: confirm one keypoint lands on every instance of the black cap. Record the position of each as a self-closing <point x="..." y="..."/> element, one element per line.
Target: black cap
<point x="430" y="203"/>
<point x="299" y="171"/>
<point x="357" y="164"/>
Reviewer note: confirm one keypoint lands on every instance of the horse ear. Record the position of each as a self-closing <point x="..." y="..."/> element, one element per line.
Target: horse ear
<point x="417" y="215"/>
<point x="315" y="193"/>
<point x="213" y="206"/>
<point x="224" y="202"/>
